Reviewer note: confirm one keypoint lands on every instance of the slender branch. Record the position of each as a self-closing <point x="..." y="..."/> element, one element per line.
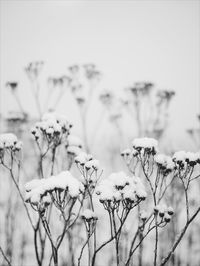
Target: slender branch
<point x="165" y="260"/>
<point x="4" y="256"/>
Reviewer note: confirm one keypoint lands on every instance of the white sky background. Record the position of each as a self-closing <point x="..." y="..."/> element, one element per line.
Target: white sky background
<point x="129" y="41"/>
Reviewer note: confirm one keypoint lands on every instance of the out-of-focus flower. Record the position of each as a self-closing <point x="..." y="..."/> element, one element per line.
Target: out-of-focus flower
<point x="91" y="72"/>
<point x="141" y="89"/>
<point x="12" y="85"/>
<point x="165" y="94"/>
<point x="13" y="116"/>
<point x="34" y="69"/>
<point x="58" y="81"/>
<point x="106" y="98"/>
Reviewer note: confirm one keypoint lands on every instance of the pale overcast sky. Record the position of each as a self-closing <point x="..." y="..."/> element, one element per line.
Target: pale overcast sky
<point x="128" y="40"/>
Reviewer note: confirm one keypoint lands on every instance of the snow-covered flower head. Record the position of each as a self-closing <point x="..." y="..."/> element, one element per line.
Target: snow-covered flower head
<point x="181" y="158"/>
<point x="75" y="141"/>
<point x="33" y="69"/>
<point x="36" y="189"/>
<point x="165" y="94"/>
<point x="58" y="81"/>
<point x="89" y="215"/>
<point x="89" y="169"/>
<point x="74" y="145"/>
<point x="192" y="158"/>
<point x="147" y="145"/>
<point x="9" y="142"/>
<point x="83" y="158"/>
<point x="165" y="163"/>
<point x="90" y="219"/>
<point x="118" y="187"/>
<point x="52" y="127"/>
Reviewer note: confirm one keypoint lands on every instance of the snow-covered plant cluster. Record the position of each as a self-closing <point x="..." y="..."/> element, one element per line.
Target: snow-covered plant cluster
<point x="119" y="188"/>
<point x="52" y="129"/>
<point x="76" y="195"/>
<point x="56" y="188"/>
<point x="74" y="208"/>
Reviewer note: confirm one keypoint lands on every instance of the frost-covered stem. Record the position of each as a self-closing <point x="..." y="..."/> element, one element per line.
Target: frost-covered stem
<point x="89" y="252"/>
<point x="82" y="249"/>
<point x="53" y="159"/>
<point x="155" y="202"/>
<point x="156" y="242"/>
<point x="179" y="238"/>
<point x="139" y="243"/>
<point x="61" y="237"/>
<point x="186" y="199"/>
<point x="92" y="206"/>
<point x="187" y="205"/>
<point x="53" y="247"/>
<point x="133" y="241"/>
<point x="36" y="245"/>
<point x="41" y="166"/>
<point x="20" y="194"/>
<point x="42" y="242"/>
<point x="111" y="227"/>
<point x="116" y="238"/>
<point x="140" y="237"/>
<point x="4" y="256"/>
<point x="109" y="240"/>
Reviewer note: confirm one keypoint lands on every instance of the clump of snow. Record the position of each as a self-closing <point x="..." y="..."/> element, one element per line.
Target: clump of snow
<point x="92" y="164"/>
<point x="89" y="215"/>
<point x="75" y="141"/>
<point x="64" y="181"/>
<point x="74" y="145"/>
<point x="118" y="187"/>
<point x="8" y="141"/>
<point x="192" y="158"/>
<point x="73" y="150"/>
<point x="165" y="162"/>
<point x="183" y="157"/>
<point x="148" y="145"/>
<point x="52" y="125"/>
<point x="179" y="156"/>
<point x="83" y="158"/>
